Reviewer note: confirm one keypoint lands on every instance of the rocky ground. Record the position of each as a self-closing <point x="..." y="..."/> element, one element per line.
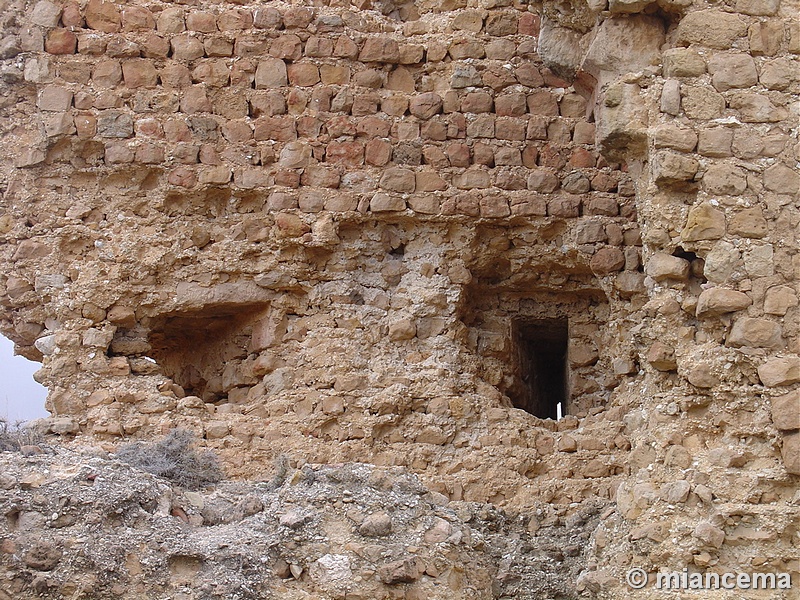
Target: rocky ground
<point x="84" y="525"/>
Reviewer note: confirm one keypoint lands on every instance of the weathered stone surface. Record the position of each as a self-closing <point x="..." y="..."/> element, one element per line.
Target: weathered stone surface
<point x="718" y="301"/>
<point x="704" y="223"/>
<point x="661" y="357"/>
<point x="779" y="300"/>
<point x="790" y="452"/>
<point x="663" y="267"/>
<point x="786" y="411"/>
<point x="730" y="71"/>
<point x="756" y="333"/>
<point x="712" y="28"/>
<point x="780" y="371"/>
<point x="271" y="73"/>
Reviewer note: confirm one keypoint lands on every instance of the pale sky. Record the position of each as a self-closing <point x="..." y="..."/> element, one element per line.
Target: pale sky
<point x="21" y="398"/>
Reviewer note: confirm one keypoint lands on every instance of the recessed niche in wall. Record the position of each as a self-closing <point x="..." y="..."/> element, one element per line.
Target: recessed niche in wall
<point x="541" y="348"/>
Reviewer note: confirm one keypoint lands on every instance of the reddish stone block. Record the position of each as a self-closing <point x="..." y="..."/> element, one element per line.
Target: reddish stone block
<point x="298" y="17"/>
<point x="267" y="17"/>
<point x="345" y="47"/>
<point x="510" y="179"/>
<point x="462" y="204"/>
<point x="427" y="181"/>
<point x="212" y="72"/>
<point x="501" y="24"/>
<point x="149" y="154"/>
<point x="171" y="20"/>
<point x="582" y="158"/>
<point x="91" y="44"/>
<point x="120" y="47"/>
<point x="435" y="157"/>
<point x="365" y="104"/>
<point x="564" y="206"/>
<point x="511" y="105"/>
<point x="605" y="182"/>
<point x="186" y="48"/>
<point x="380" y="49"/>
<point x="103" y="16"/>
<point x="85" y="126"/>
<point x="530" y="154"/>
<point x="118" y="153"/>
<point x="219" y="47"/>
<point x="483" y="154"/>
<point x="350" y="154"/>
<point x="71" y="15"/>
<point x="287" y="178"/>
<point x="267" y="104"/>
<point x="543" y="102"/>
<point x="149" y="127"/>
<point x="494" y="206"/>
<point x="61" y="41"/>
<point x="377" y="152"/>
<point x="602" y="206"/>
<point x="320" y="176"/>
<point x="303" y="74"/>
<point x="510" y="128"/>
<point x="339" y="126"/>
<point x="287" y="47"/>
<point x="137" y="18"/>
<point x="183" y="176"/>
<point x="235" y="19"/>
<point x="528" y="24"/>
<point x="373" y="126"/>
<point x="308" y="126"/>
<point x="434" y="130"/>
<point x="155" y="46"/>
<point x="395" y="106"/>
<point x="458" y="154"/>
<point x="237" y="131"/>
<point x="334" y="74"/>
<point x="477" y="102"/>
<point x="398" y="180"/>
<point x="550" y="156"/>
<point x="529" y="205"/>
<point x="279" y="129"/>
<point x="176" y="130"/>
<point x="607" y="260"/>
<point x="195" y="100"/>
<point x="174" y="75"/>
<point x="424" y="106"/>
<point x="319" y="47"/>
<point x="204" y="22"/>
<point x="498" y="78"/>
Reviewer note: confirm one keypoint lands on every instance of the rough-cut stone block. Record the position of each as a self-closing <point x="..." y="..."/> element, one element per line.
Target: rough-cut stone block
<point x="755" y="333"/>
<point x="777" y="372"/>
<point x="786" y="411"/>
<point x="712" y="28"/>
<point x="718" y="301"/>
<point x="701" y="103"/>
<point x="398" y="180"/>
<point x="704" y="223"/>
<point x="790" y="452"/>
<point x="171" y="20"/>
<point x="663" y="267"/>
<point x="782" y="179"/>
<point x="779" y="300"/>
<point x="345" y="153"/>
<point x="730" y="71"/>
<point x="683" y="62"/>
<point x="271" y="73"/>
<point x="424" y="106"/>
<point x="756" y="108"/>
<point x="103" y="16"/>
<point x="380" y="49"/>
<point x="725" y="179"/>
<point x="186" y="48"/>
<point x="674" y="170"/>
<point x="137" y="18"/>
<point x="661" y="357"/>
<point x="54" y="98"/>
<point x="607" y="260"/>
<point x="139" y="73"/>
<point x="678" y="138"/>
<point x="564" y="206"/>
<point x="61" y="41"/>
<point x="381" y="202"/>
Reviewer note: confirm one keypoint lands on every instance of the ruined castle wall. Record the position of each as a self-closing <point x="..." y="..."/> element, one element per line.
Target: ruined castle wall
<point x="327" y="230"/>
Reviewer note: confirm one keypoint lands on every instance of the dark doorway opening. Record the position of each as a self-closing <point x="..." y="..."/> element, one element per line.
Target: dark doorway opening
<point x="542" y="351"/>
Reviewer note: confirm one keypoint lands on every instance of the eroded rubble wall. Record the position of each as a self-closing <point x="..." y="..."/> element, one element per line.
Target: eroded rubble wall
<point x="312" y="230"/>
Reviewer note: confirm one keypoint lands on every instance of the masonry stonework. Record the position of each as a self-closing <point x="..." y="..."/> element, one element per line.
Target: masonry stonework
<point x="318" y="229"/>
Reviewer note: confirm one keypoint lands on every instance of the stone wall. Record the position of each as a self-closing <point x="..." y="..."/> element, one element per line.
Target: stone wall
<point x="318" y="230"/>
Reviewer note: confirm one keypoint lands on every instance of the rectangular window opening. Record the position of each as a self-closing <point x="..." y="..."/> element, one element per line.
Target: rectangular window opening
<point x="542" y="352"/>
